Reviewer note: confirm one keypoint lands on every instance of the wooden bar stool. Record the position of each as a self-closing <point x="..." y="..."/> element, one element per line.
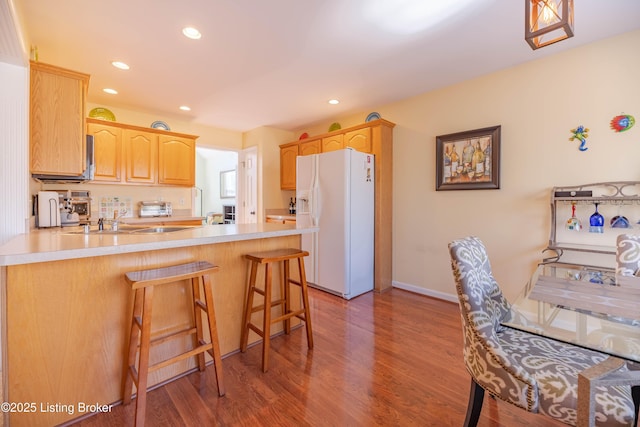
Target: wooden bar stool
<point x="143" y="283"/>
<point x="268" y="258"/>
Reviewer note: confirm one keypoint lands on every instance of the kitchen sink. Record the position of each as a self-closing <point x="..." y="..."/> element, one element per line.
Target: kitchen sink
<point x="128" y="229"/>
<point x="164" y="229"/>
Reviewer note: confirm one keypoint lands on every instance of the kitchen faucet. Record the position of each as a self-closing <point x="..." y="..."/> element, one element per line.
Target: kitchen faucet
<point x="116" y="217"/>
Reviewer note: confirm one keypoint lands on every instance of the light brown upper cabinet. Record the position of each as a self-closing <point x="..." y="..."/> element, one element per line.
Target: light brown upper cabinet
<point x="107" y="149"/>
<point x="332" y="143"/>
<point x="176" y="160"/>
<point x="141" y="156"/>
<point x="129" y="154"/>
<point x="288" y="156"/>
<point x="359" y="140"/>
<point x="309" y="147"/>
<point x="57" y="120"/>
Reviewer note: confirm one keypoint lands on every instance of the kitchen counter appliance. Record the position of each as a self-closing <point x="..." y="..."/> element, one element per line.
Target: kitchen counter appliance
<point x="48" y="209"/>
<point x="62" y="208"/>
<point x="75" y="207"/>
<point x="155" y="209"/>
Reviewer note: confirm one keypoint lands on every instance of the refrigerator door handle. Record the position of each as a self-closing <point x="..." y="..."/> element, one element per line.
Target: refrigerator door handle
<point x="314" y="194"/>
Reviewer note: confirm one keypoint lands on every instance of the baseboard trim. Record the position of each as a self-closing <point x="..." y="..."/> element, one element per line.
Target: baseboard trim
<point x="424" y="291"/>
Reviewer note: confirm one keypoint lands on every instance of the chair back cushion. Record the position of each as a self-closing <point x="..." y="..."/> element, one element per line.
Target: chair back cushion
<point x="628" y="255"/>
<point x="482" y="307"/>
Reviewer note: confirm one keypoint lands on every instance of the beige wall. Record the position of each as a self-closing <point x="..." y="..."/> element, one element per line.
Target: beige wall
<point x="268" y="139"/>
<point x="537" y="104"/>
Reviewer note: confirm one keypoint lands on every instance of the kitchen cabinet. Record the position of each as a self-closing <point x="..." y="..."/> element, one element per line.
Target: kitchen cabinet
<point x="129" y="154"/>
<point x="57" y="120"/>
<point x="359" y="139"/>
<point x="288" y="156"/>
<point x="374" y="137"/>
<point x="74" y="311"/>
<point x="279" y="219"/>
<point x="332" y="143"/>
<point x="107" y="148"/>
<point x="176" y="160"/>
<point x="309" y="147"/>
<point x="140" y="156"/>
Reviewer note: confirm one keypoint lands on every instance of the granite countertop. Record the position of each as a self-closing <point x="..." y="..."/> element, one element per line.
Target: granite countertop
<point x="54" y="244"/>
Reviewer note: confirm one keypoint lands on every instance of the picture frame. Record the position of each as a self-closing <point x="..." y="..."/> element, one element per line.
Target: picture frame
<point x="228" y="184"/>
<point x="468" y="160"/>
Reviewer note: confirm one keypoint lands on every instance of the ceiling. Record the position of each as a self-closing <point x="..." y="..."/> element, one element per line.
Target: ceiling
<point x="277" y="62"/>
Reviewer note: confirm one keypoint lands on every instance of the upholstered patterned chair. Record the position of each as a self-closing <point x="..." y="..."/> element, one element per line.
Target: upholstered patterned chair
<point x="627" y="264"/>
<point x="628" y="255"/>
<point x="535" y="373"/>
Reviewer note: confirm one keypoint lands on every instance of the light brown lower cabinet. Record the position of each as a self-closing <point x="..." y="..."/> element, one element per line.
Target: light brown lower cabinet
<point x="68" y="324"/>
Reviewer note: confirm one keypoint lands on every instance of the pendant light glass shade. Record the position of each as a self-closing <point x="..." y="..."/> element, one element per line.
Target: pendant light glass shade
<point x="548" y="22"/>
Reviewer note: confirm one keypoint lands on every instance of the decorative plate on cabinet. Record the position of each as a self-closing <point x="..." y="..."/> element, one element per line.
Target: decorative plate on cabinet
<point x="304" y="136"/>
<point x="372" y="116"/>
<point x="334" y="126"/>
<point x="102" y="113"/>
<point x="160" y="125"/>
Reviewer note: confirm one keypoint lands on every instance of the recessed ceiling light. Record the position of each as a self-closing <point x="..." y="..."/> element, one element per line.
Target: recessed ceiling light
<point x="111" y="91"/>
<point x="192" y="33"/>
<point x="185" y="108"/>
<point x="121" y="65"/>
<point x="334" y="102"/>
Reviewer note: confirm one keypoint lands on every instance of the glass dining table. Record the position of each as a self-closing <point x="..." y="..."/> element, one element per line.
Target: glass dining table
<point x="592" y="308"/>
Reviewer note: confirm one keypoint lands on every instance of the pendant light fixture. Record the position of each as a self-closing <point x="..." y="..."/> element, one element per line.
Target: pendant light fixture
<point x="548" y="22"/>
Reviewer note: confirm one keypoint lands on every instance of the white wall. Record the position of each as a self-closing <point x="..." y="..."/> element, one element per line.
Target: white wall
<point x="14" y="122"/>
<point x="209" y="164"/>
<point x="267" y="140"/>
<point x="537" y="104"/>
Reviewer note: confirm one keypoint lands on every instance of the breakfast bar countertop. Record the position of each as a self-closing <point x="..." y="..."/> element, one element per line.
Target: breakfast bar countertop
<point x="56" y="244"/>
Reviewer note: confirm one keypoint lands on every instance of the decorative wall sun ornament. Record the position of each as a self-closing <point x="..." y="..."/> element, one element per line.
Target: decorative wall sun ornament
<point x="622" y="123"/>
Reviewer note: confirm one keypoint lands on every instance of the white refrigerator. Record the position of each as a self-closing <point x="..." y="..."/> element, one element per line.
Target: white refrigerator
<point x="334" y="191"/>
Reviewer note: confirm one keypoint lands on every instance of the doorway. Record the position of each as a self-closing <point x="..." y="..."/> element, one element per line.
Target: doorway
<point x="248" y="186"/>
<point x="215" y="181"/>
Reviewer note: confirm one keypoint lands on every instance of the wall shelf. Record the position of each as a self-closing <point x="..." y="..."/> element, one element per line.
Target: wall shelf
<point x="621" y="198"/>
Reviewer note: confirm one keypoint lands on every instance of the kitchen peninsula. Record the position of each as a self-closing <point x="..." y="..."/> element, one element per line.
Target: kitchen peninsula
<point x="67" y="307"/>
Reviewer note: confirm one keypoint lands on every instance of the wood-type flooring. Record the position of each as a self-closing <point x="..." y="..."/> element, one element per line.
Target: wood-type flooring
<point x="381" y="359"/>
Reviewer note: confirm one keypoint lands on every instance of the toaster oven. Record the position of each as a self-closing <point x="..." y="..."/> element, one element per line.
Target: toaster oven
<point x="155" y="208"/>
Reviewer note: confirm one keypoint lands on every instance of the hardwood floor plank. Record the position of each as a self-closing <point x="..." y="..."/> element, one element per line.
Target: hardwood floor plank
<point x="390" y="359"/>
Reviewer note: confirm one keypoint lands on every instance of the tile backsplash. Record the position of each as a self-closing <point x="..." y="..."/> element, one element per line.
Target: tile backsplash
<point x="110" y="205"/>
